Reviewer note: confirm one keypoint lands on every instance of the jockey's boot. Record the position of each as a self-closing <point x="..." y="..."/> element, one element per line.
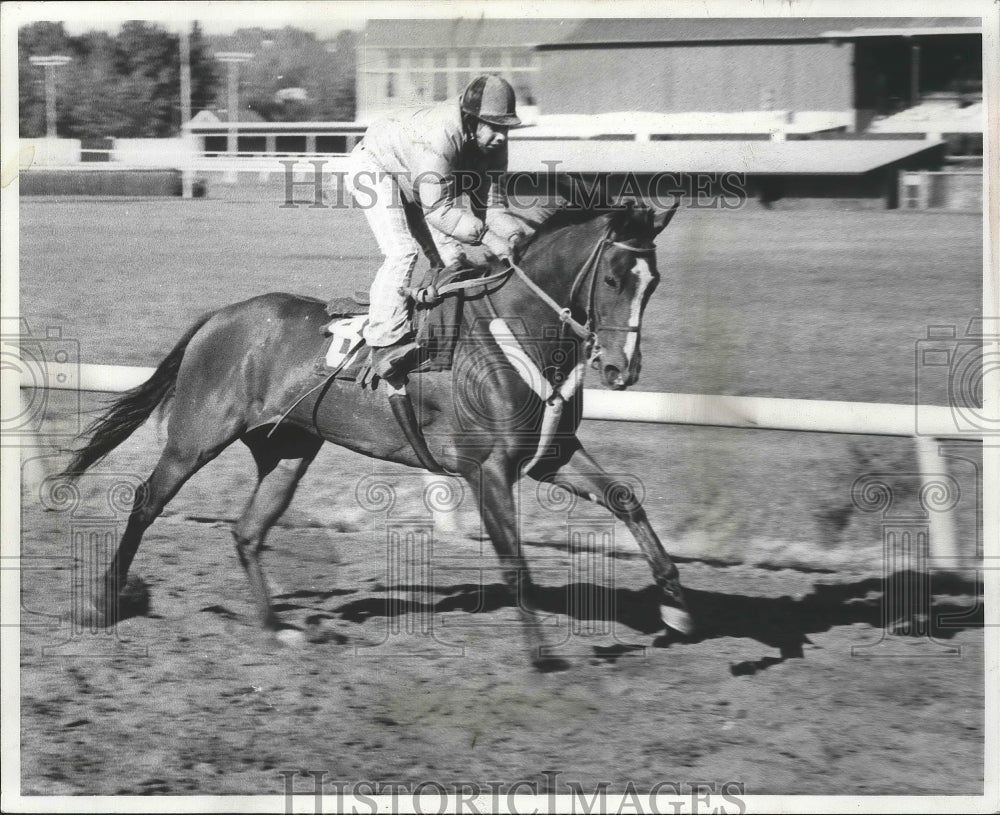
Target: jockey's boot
<point x="393" y="362"/>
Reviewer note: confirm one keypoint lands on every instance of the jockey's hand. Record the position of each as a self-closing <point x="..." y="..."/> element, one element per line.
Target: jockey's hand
<point x="503" y="248"/>
<point x="516" y="243"/>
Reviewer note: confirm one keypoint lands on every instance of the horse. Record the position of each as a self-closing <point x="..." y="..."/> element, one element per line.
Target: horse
<point x="584" y="279"/>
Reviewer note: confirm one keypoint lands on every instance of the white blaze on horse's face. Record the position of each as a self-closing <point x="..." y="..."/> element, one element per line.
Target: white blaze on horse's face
<point x="620" y="359"/>
<point x="644" y="276"/>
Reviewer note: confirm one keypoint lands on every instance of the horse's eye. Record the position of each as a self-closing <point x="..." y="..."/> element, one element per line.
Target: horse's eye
<point x="611" y="280"/>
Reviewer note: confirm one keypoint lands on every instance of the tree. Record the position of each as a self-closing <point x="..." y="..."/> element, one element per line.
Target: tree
<point x="126" y="85"/>
<point x="206" y="73"/>
<point x="292" y="58"/>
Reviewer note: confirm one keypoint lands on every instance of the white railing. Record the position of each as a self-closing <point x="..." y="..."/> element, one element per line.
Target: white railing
<point x="754" y="412"/>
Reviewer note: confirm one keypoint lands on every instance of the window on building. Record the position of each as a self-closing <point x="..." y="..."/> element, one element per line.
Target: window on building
<point x="215" y="146"/>
<point x="440" y="76"/>
<point x="420" y="90"/>
<point x="251" y="144"/>
<point x="290" y="144"/>
<point x="489" y="60"/>
<point x="420" y="78"/>
<point x="462" y="76"/>
<point x="331" y="144"/>
<point x="522" y="82"/>
<point x="392" y="77"/>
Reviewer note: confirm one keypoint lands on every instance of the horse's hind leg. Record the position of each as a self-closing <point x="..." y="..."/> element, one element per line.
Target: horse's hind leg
<point x="181" y="458"/>
<point x="281" y="462"/>
<point x="583" y="476"/>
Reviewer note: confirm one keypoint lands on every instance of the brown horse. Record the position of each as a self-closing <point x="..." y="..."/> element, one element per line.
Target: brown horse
<point x="522" y="345"/>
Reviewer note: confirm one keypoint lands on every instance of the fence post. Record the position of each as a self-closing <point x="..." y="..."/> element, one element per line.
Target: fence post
<point x="941" y="525"/>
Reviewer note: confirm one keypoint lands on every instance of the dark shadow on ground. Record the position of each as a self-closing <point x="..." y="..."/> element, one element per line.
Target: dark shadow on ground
<point x="951" y="604"/>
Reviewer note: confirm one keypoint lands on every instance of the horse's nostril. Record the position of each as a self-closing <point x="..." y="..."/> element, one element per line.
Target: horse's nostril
<point x="614" y="378"/>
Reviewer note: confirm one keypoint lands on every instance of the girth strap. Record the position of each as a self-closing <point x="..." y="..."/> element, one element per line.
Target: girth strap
<point x="402" y="410"/>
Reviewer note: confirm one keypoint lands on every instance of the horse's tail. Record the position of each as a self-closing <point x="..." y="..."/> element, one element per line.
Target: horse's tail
<point x="127" y="414"/>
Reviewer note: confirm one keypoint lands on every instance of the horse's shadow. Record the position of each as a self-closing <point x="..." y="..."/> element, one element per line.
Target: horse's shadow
<point x="784" y="623"/>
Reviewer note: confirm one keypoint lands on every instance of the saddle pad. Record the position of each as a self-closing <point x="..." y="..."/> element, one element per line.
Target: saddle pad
<point x="346" y="343"/>
<point x="347" y="306"/>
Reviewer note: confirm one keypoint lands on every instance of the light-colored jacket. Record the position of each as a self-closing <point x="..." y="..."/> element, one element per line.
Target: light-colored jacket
<point x="430" y="155"/>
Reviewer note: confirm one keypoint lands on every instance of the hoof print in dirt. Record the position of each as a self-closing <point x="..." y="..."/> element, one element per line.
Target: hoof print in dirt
<point x="222" y="611"/>
<point x="547" y="665"/>
<point x="320" y="630"/>
<point x="604" y="654"/>
<point x="323" y="636"/>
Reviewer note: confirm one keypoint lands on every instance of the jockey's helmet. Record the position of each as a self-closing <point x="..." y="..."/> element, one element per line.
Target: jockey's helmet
<point x="491" y="99"/>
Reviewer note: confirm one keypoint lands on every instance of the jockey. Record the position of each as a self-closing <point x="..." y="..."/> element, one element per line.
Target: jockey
<point x="408" y="174"/>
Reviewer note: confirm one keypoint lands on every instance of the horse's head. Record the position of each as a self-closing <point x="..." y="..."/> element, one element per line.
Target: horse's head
<point x="621" y="282"/>
<point x="612" y="259"/>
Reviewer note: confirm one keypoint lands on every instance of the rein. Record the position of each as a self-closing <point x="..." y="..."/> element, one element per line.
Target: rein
<point x="555" y="397"/>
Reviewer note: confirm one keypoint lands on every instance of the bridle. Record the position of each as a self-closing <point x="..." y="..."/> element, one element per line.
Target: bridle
<point x="556" y="394"/>
<point x="586" y="276"/>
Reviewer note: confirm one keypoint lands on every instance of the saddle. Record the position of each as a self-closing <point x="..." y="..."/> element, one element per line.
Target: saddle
<point x="435" y="305"/>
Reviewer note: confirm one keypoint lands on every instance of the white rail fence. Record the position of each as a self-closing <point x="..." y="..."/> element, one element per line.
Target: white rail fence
<point x="752" y="412"/>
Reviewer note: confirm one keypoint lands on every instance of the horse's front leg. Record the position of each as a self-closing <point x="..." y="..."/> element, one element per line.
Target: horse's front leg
<point x="492" y="487"/>
<point x="583" y="476"/>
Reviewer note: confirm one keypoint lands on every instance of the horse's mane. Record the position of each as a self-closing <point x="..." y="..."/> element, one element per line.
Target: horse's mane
<point x="545" y="219"/>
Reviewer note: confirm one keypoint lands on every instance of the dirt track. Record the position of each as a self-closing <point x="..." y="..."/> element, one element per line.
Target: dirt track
<point x="768" y="693"/>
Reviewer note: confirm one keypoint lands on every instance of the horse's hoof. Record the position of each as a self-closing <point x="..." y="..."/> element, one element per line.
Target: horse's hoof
<point x="134" y="598"/>
<point x="91" y="617"/>
<point x="677" y="619"/>
<point x="132" y="601"/>
<point x="291" y="638"/>
<point x="547" y="665"/>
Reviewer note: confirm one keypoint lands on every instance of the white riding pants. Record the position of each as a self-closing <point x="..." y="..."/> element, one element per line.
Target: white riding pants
<point x="380" y="198"/>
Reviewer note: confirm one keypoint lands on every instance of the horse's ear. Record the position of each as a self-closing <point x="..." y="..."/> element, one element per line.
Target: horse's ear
<point x="663" y="217"/>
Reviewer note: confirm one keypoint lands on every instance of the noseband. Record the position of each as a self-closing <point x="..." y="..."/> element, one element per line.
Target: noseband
<point x="587" y="276"/>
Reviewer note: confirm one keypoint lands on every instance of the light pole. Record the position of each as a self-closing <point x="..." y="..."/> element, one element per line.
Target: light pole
<point x="233" y="60"/>
<point x="50" y="63"/>
<point x="187" y="186"/>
